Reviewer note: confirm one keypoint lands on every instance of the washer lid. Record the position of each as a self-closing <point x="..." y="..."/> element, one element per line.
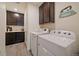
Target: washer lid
<point x="61" y="41"/>
<point x="39" y="32"/>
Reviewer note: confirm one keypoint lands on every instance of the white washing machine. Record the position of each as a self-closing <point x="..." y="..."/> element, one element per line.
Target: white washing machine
<point x="57" y="43"/>
<point x="34" y="40"/>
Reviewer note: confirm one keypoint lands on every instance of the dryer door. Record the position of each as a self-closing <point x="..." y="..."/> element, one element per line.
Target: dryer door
<point x="34" y="44"/>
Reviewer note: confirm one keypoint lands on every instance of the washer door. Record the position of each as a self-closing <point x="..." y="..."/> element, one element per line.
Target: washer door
<point x="43" y="51"/>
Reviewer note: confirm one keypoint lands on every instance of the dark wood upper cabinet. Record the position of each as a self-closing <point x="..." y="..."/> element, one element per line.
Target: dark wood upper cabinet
<point x="13" y="19"/>
<point x="20" y="20"/>
<point x="41" y="21"/>
<point x="46" y="13"/>
<point x="52" y="12"/>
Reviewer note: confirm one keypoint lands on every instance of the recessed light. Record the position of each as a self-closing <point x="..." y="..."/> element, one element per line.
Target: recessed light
<point x="16" y="14"/>
<point x="15" y="9"/>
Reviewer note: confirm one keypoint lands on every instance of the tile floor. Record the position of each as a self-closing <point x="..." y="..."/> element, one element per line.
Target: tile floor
<point x="18" y="49"/>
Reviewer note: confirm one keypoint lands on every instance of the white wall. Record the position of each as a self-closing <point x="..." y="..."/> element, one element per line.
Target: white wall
<point x="21" y="7"/>
<point x="16" y="28"/>
<point x="32" y="21"/>
<point x="25" y="24"/>
<point x="50" y="26"/>
<point x="68" y="23"/>
<point x="2" y="28"/>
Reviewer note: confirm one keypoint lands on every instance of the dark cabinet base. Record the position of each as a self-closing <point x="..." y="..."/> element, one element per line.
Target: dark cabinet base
<point x="15" y="37"/>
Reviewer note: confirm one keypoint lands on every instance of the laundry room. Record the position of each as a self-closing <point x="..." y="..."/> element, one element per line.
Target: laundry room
<point x="39" y="29"/>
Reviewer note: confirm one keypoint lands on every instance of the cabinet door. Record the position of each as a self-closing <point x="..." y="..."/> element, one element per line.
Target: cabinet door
<point x="10" y="38"/>
<point x="42" y="48"/>
<point x="19" y="37"/>
<point x="11" y="19"/>
<point x="46" y="12"/>
<point x="20" y="20"/>
<point x="14" y="18"/>
<point x="43" y="51"/>
<point x="41" y="18"/>
<point x="52" y="12"/>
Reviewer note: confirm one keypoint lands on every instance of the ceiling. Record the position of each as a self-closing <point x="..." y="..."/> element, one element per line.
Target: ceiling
<point x="37" y="3"/>
<point x="34" y="3"/>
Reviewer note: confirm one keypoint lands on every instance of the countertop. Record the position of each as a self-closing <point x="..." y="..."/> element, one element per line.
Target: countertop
<point x="13" y="31"/>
